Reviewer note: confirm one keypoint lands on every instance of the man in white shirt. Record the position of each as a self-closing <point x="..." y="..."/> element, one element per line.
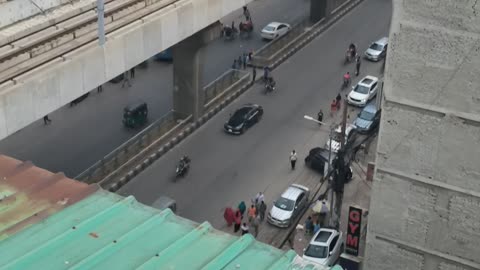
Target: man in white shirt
<point x="293" y="159"/>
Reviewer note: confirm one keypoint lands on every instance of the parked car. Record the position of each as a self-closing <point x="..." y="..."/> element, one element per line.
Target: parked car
<point x="337" y="135"/>
<point x="377" y="50"/>
<point x="274" y="30"/>
<point x="364" y="91"/>
<point x="317" y="159"/>
<point x="368" y="119"/>
<point x="325" y="247"/>
<point x="290" y="204"/>
<point x="243" y="118"/>
<point x="165" y="55"/>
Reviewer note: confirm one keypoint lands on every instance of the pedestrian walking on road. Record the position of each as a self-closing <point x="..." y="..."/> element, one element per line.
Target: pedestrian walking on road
<point x="262" y="208"/>
<point x="126" y="80"/>
<point x="338" y="101"/>
<point x="320" y="117"/>
<point x="357" y="65"/>
<point x="238" y="221"/>
<point x="228" y="216"/>
<point x="242" y="207"/>
<point x="316" y="226"/>
<point x="240" y="62"/>
<point x="258" y="198"/>
<point x="244" y="228"/>
<point x="308" y="225"/>
<point x="252" y="213"/>
<point x="254" y="74"/>
<point x="234" y="65"/>
<point x="46" y="120"/>
<point x="244" y="60"/>
<point x="333" y="107"/>
<point x="132" y="72"/>
<point x="256" y="224"/>
<point x="293" y="159"/>
<point x="99" y="89"/>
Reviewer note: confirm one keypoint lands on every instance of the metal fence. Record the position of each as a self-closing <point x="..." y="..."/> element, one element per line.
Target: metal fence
<point x="228" y="81"/>
<point x="122" y="154"/>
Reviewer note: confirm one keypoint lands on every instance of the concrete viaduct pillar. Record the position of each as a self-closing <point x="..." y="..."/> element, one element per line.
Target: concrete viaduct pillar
<point x="320" y="9"/>
<point x="188" y="94"/>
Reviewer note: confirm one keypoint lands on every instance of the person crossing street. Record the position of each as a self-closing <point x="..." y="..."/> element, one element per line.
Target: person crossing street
<point x="293" y="159"/>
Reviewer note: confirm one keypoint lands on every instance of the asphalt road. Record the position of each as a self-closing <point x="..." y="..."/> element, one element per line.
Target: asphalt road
<point x="81" y="135"/>
<point x="227" y="169"/>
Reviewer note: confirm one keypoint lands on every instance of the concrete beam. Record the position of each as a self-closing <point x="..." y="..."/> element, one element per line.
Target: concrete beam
<point x="188" y="94"/>
<point x="49" y="87"/>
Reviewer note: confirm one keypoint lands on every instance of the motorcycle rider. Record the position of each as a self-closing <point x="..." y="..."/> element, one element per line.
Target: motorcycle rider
<point x="270" y="85"/>
<point x="184" y="163"/>
<point x="353" y="49"/>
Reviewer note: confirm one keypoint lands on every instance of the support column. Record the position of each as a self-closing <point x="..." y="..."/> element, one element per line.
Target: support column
<point x="188" y="94"/>
<point x="320" y="9"/>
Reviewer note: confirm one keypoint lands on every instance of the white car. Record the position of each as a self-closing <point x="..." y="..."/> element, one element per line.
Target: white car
<point x="325" y="247"/>
<point x="335" y="140"/>
<point x="377" y="50"/>
<point x="290" y="204"/>
<point x="364" y="91"/>
<point x="274" y="30"/>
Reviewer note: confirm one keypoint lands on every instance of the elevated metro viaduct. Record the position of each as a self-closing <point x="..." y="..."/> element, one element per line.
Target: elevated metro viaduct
<point x="187" y="24"/>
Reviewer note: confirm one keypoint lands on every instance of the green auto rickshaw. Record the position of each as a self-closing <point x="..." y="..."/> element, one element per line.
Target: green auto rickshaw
<point x="135" y="115"/>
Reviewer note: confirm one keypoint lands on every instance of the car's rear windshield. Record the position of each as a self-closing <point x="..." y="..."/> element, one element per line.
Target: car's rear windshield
<point x="361" y="89"/>
<point x="269" y="28"/>
<point x="367" y="115"/>
<point x="376" y="47"/>
<point x="285" y="204"/>
<point x="316" y="251"/>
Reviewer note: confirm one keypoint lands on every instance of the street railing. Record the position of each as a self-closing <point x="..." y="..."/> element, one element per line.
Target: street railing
<point x="228" y="81"/>
<point x="130" y="148"/>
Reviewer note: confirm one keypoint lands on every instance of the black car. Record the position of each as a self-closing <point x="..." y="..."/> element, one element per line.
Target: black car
<point x="243" y="118"/>
<point x="317" y="159"/>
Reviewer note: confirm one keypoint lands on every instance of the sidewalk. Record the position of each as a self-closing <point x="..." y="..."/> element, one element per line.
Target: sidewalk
<point x="357" y="192"/>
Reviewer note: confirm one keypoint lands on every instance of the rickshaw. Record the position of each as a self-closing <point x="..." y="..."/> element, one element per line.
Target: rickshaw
<point x="229" y="32"/>
<point x="135" y="115"/>
<point x="246" y="28"/>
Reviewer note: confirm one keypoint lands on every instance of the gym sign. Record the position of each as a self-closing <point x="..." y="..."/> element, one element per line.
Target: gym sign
<point x="353" y="230"/>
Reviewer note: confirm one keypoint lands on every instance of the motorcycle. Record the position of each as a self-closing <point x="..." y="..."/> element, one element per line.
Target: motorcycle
<point x="269" y="85"/>
<point x="182" y="167"/>
<point x="269" y="88"/>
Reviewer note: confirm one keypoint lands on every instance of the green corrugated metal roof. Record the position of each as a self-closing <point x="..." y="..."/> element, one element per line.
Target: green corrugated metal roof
<point x="107" y="231"/>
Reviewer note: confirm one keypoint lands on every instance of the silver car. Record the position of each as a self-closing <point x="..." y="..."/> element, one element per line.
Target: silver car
<point x="288" y="206"/>
<point x="377" y="50"/>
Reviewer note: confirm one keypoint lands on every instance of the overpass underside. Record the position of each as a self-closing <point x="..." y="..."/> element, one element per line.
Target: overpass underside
<point x="426" y="194"/>
<point x="28" y="96"/>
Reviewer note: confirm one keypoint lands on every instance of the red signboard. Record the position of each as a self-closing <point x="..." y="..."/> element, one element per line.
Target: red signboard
<point x="353" y="230"/>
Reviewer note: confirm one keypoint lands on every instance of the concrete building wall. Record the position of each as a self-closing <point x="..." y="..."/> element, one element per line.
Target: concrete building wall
<point x="425" y="208"/>
<point x="42" y="90"/>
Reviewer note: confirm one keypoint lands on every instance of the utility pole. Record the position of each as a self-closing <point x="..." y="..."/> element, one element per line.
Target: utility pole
<point x="339" y="174"/>
<point x="101" y="21"/>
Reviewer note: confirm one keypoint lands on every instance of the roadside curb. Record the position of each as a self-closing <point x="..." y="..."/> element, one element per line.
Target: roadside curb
<point x="170" y="144"/>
